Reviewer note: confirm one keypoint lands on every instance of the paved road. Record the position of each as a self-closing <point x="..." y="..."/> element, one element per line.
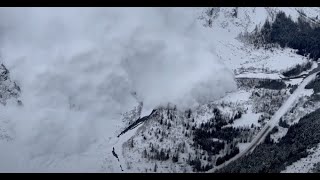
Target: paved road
<point x="274" y="120"/>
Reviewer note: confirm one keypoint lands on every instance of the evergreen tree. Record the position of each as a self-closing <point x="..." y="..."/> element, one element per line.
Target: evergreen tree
<point x="155" y="167"/>
<point x="175" y="158"/>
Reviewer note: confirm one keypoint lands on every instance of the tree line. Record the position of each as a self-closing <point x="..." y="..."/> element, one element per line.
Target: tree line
<point x="285" y="32"/>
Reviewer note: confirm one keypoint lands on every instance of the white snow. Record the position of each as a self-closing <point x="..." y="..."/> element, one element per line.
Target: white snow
<point x="294" y="81"/>
<point x="237" y="55"/>
<point x="247" y="120"/>
<point x="291" y="100"/>
<point x="119" y="150"/>
<point x="278" y="135"/>
<point x="259" y="75"/>
<point x="307" y="92"/>
<point x="277" y="60"/>
<point x="243" y="146"/>
<point x="239" y="96"/>
<point x="274" y="120"/>
<point x="145" y="112"/>
<point x="304" y="165"/>
<point x="77" y="68"/>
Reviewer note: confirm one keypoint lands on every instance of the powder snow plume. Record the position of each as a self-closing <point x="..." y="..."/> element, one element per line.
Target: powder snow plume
<point x="77" y="69"/>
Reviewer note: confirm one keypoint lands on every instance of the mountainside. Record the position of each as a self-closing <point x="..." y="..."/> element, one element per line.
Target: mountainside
<point x="159" y="89"/>
<point x="194" y="140"/>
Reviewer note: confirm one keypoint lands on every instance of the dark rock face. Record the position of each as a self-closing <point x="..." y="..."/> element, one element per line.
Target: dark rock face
<point x="8" y="88"/>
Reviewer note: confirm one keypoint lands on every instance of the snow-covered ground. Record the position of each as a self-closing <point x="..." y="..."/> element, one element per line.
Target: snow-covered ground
<point x="294" y="81"/>
<point x="247" y="120"/>
<point x="243" y="146"/>
<point x="300" y="91"/>
<point x="240" y="96"/>
<point x="118" y="146"/>
<point x="304" y="165"/>
<point x="285" y="107"/>
<point x="278" y="135"/>
<point x="248" y="62"/>
<point x="254" y="60"/>
<point x="237" y="55"/>
<point x="259" y="75"/>
<point x="78" y="68"/>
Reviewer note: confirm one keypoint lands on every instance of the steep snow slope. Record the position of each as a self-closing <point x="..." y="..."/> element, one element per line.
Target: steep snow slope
<point x="242" y="58"/>
<point x="226" y="27"/>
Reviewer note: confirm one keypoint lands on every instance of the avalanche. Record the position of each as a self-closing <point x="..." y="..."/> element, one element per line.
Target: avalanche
<point x="77" y="69"/>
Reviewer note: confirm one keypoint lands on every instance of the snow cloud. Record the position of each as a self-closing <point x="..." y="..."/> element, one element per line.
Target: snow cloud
<point x="77" y="68"/>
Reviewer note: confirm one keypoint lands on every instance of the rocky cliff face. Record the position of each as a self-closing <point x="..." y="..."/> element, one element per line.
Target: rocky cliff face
<point x="8" y="88"/>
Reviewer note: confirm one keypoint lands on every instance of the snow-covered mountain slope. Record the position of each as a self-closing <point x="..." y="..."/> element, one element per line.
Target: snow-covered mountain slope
<point x="239" y="19"/>
<point x="8" y="88"/>
<point x="246" y="62"/>
<point x="86" y="74"/>
<point x="226" y="27"/>
<point x="9" y="94"/>
<point x="78" y="69"/>
<point x="305" y="165"/>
